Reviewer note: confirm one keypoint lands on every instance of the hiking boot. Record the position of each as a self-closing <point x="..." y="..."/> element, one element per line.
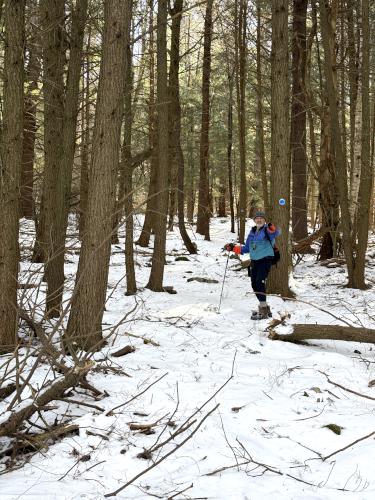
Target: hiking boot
<point x="263" y="312"/>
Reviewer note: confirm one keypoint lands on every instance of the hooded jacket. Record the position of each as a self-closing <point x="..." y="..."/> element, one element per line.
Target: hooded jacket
<point x="258" y="244"/>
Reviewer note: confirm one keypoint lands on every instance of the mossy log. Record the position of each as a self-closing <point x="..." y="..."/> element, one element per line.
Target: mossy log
<point x="326" y="332"/>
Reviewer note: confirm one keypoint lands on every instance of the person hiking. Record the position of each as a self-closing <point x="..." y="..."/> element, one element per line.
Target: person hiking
<point x="260" y="244"/>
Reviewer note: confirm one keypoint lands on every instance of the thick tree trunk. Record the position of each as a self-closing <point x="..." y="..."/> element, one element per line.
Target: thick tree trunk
<point x="203" y="221"/>
<point x="11" y="158"/>
<point x="155" y="282"/>
<point x="175" y="150"/>
<point x="327" y="332"/>
<point x="53" y="207"/>
<point x="280" y="173"/>
<point x="298" y="121"/>
<point x="85" y="322"/>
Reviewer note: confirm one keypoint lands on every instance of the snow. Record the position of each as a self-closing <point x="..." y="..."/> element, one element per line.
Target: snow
<point x="274" y="408"/>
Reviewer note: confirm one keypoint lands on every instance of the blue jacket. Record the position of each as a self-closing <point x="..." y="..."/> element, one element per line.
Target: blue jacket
<point x="257" y="243"/>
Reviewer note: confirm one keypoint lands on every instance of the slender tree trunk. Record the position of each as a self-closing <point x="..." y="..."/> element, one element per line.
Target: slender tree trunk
<point x="328" y="199"/>
<point x="79" y="15"/>
<point x="175" y="151"/>
<point x="85" y="146"/>
<point x="203" y="221"/>
<point x="53" y="207"/>
<point x="144" y="238"/>
<point x="85" y="322"/>
<point x="230" y="150"/>
<point x="366" y="183"/>
<point x="155" y="282"/>
<point x="280" y="172"/>
<point x="328" y="31"/>
<point x="11" y="158"/>
<point x="241" y="111"/>
<point x="353" y="88"/>
<point x="126" y="182"/>
<point x="298" y="121"/>
<point x="261" y="159"/>
<point x="28" y="153"/>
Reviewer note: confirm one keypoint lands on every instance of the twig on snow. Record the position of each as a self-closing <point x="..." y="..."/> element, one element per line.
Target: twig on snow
<point x="345" y="388"/>
<point x="164" y="457"/>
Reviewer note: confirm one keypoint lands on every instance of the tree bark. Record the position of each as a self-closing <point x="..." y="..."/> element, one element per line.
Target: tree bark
<point x="261" y="159"/>
<point x="230" y="150"/>
<point x="85" y="145"/>
<point x="126" y="184"/>
<point x="240" y="33"/>
<point x="280" y="172"/>
<point x="144" y="237"/>
<point x="327" y="332"/>
<point x="366" y="183"/>
<point x="52" y="208"/>
<point x="28" y="151"/>
<point x="10" y="171"/>
<point x="84" y="328"/>
<point x="155" y="282"/>
<point x="203" y="220"/>
<point x="298" y="121"/>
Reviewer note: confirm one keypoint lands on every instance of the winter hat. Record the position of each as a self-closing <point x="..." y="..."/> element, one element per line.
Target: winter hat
<point x="260" y="214"/>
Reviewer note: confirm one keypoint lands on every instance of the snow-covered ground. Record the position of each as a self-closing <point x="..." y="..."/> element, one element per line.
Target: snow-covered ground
<point x="269" y="431"/>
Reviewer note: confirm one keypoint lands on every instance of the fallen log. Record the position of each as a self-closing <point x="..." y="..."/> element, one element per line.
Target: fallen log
<point x="51" y="393"/>
<point x="326" y="332"/>
<point x="303" y="246"/>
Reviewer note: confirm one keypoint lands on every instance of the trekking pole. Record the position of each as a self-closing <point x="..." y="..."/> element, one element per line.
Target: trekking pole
<point x="222" y="287"/>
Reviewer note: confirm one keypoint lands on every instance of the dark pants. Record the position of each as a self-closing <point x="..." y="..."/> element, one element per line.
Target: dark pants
<point x="259" y="272"/>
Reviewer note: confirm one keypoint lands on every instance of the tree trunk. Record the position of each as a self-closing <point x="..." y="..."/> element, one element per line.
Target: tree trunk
<point x="126" y="185"/>
<point x="365" y="188"/>
<point x="176" y="155"/>
<point x="155" y="282"/>
<point x="28" y="153"/>
<point x="327" y="332"/>
<point x="240" y="34"/>
<point x="11" y="158"/>
<point x="353" y="89"/>
<point x="260" y="155"/>
<point x="328" y="198"/>
<point x="52" y="208"/>
<point x="230" y="150"/>
<point x="79" y="15"/>
<point x="327" y="21"/>
<point x="85" y="322"/>
<point x="280" y="172"/>
<point x="85" y="145"/>
<point x="203" y="221"/>
<point x="298" y="121"/>
<point x="144" y="237"/>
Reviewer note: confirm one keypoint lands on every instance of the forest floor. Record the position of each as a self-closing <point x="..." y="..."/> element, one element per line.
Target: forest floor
<point x="269" y="431"/>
